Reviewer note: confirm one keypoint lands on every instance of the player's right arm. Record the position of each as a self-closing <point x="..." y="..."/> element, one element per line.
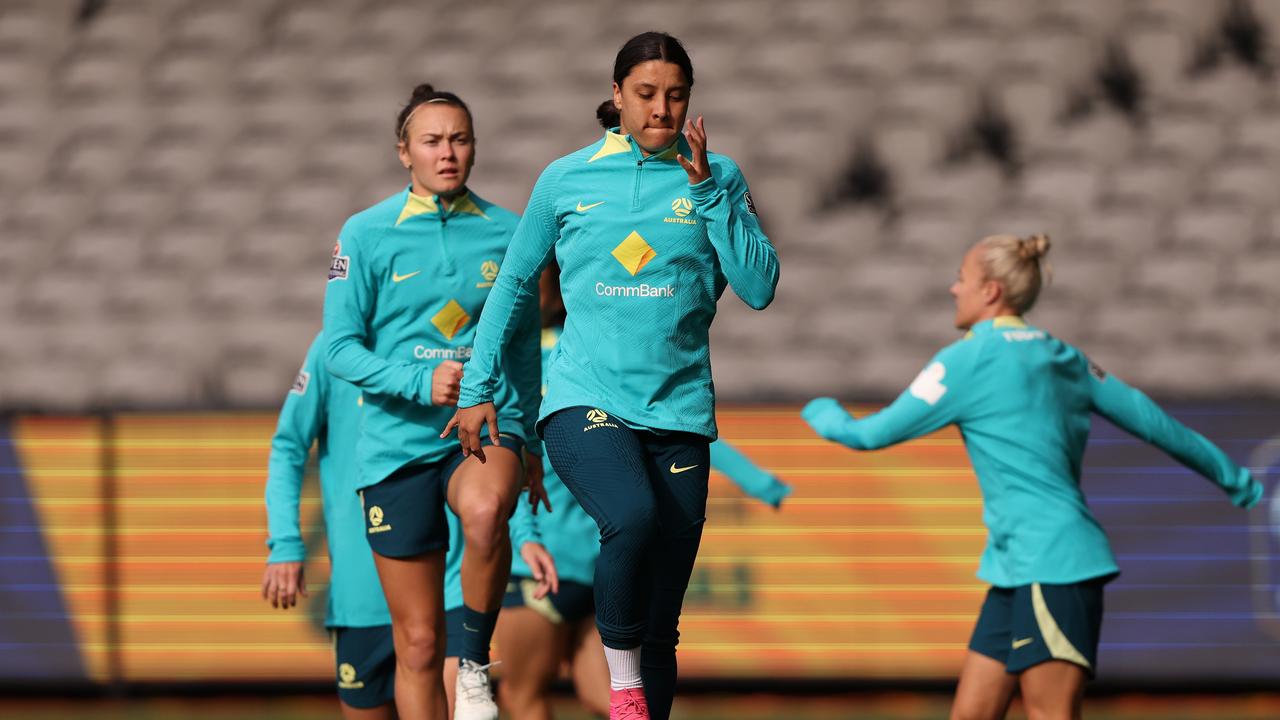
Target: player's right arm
<point x="302" y="419"/>
<point x="514" y="291"/>
<point x="1132" y="411"/>
<point x="935" y="399"/>
<point x="349" y="306"/>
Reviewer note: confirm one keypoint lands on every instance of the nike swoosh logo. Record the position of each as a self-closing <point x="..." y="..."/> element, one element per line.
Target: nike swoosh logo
<point x="468" y="628"/>
<point x="676" y="471"/>
<point x="1022" y="643"/>
<point x="584" y="208"/>
<point x="399" y="278"/>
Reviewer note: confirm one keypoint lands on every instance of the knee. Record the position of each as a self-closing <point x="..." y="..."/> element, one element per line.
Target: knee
<point x="636" y="526"/>
<point x="418" y="649"/>
<point x="484" y="522"/>
<point x="1048" y="711"/>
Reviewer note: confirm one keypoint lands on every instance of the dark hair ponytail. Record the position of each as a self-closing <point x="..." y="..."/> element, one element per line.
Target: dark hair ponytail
<point x="422" y="94"/>
<point x="608" y="115"/>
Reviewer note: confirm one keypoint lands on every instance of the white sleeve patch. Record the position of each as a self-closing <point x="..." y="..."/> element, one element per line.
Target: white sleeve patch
<point x="928" y="384"/>
<point x="300" y="383"/>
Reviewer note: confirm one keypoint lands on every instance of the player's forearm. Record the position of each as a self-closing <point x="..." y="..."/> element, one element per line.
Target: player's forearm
<point x="747" y="258"/>
<point x="753" y="480"/>
<point x="347" y="359"/>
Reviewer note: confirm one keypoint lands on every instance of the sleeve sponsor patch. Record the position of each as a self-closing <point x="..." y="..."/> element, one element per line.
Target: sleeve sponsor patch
<point x="751" y="204"/>
<point x="340" y="263"/>
<point x="928" y="384"/>
<point x="300" y="383"/>
<point x="1098" y="373"/>
<point x="339" y="266"/>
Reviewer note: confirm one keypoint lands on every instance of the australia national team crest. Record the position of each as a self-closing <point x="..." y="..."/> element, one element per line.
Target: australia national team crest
<point x="488" y="271"/>
<point x="681" y="208"/>
<point x="340" y="264"/>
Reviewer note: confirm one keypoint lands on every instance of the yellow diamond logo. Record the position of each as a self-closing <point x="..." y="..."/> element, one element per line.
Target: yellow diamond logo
<point x="375" y="516"/>
<point x="597" y="416"/>
<point x="634" y="253"/>
<point x="451" y="319"/>
<point x="681" y="206"/>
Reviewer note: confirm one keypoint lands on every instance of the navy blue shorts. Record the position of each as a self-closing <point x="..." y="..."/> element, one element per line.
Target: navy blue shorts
<point x="404" y="514"/>
<point x="366" y="663"/>
<point x="574" y="601"/>
<point x="1030" y="624"/>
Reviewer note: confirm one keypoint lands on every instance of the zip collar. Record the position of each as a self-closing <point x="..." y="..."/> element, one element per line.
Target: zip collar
<point x="415" y="205"/>
<point x="615" y="143"/>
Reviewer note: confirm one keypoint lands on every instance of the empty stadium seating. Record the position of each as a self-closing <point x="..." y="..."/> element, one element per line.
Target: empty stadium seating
<point x="173" y="174"/>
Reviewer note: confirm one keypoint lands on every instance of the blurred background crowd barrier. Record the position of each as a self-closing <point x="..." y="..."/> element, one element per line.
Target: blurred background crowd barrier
<point x="131" y="552"/>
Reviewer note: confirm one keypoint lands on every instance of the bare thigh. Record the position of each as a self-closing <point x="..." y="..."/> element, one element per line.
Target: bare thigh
<point x="985" y="689"/>
<point x="1053" y="690"/>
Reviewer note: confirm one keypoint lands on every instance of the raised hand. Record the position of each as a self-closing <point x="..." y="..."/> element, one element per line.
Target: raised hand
<point x="698" y="168"/>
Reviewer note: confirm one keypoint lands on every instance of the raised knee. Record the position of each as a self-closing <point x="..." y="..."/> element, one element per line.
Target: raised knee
<point x="483" y="521"/>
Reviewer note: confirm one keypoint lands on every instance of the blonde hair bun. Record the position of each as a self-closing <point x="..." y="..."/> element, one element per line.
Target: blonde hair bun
<point x="1033" y="247"/>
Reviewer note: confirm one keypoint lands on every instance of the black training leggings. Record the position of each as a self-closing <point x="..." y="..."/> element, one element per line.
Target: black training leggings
<point x="647" y="492"/>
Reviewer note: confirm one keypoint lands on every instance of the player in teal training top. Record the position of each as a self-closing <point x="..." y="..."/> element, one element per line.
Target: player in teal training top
<point x="408" y="278"/>
<point x="321" y="408"/>
<point x="1022" y="400"/>
<point x="546" y="631"/>
<point x="648" y="230"/>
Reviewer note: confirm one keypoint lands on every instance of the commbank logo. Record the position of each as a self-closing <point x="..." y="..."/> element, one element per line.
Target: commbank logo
<point x="634" y="253"/>
<point x="451" y="319"/>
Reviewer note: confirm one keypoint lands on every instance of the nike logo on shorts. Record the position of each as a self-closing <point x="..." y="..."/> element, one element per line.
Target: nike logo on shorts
<point x="1023" y="642"/>
<point x="676" y="471"/>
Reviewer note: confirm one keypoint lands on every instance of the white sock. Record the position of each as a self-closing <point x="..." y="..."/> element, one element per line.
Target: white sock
<point x="624" y="668"/>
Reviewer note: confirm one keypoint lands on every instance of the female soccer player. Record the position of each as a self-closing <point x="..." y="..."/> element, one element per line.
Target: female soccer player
<point x="325" y="409"/>
<point x="408" y="276"/>
<point x="647" y="229"/>
<point x="545" y="631"/>
<point x="1022" y="400"/>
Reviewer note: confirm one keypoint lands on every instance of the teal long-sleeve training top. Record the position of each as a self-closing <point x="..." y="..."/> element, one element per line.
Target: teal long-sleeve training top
<point x="407" y="280"/>
<point x="321" y="408"/>
<point x="643" y="257"/>
<point x="1022" y="400"/>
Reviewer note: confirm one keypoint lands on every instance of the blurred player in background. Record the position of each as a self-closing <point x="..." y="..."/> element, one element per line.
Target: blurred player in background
<point x="648" y="230"/>
<point x="1022" y="400"/>
<point x="407" y="278"/>
<point x="323" y="408"/>
<point x="548" y="631"/>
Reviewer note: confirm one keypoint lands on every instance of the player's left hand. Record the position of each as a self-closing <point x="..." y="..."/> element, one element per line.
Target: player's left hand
<point x="282" y="583"/>
<point x="543" y="568"/>
<point x="469" y="420"/>
<point x="698" y="167"/>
